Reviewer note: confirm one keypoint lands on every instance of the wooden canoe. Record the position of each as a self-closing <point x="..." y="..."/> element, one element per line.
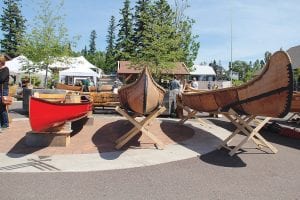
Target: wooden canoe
<point x="269" y="94"/>
<point x="295" y="107"/>
<point x="45" y="115"/>
<point x="142" y="96"/>
<point x="68" y="87"/>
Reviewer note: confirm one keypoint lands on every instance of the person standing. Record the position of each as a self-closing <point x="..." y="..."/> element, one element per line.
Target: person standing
<point x="209" y="85"/>
<point x="174" y="91"/>
<point x="4" y="90"/>
<point x="194" y="83"/>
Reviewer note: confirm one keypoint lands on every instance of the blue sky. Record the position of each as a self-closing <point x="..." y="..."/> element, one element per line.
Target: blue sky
<point x="257" y="25"/>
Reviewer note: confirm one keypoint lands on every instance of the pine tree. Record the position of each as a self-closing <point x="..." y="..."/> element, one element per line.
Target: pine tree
<point x="161" y="43"/>
<point x="13" y="27"/>
<point x="141" y="18"/>
<point x="124" y="44"/>
<point x="110" y="59"/>
<point x="84" y="51"/>
<point x="92" y="46"/>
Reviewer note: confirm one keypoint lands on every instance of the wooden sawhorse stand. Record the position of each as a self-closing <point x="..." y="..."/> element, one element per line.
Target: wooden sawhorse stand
<point x="295" y="114"/>
<point x="242" y="124"/>
<point x="139" y="126"/>
<point x="191" y="113"/>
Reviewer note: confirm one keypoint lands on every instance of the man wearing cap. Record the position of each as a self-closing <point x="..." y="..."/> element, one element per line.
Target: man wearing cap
<point x="4" y="78"/>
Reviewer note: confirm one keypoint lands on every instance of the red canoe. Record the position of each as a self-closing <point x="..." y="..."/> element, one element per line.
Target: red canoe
<point x="45" y="115"/>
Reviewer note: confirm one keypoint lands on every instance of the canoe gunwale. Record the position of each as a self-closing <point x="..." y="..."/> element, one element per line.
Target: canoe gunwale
<point x="131" y="84"/>
<point x="59" y="103"/>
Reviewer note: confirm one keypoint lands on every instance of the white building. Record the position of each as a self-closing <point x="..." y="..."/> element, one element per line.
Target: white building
<point x="203" y="73"/>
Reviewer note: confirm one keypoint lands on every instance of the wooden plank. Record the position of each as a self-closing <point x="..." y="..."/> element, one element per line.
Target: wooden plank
<point x="49" y="96"/>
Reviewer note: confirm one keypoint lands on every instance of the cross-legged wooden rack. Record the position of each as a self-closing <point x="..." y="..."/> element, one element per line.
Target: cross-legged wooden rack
<point x="294" y="116"/>
<point x="139" y="126"/>
<point x="191" y="114"/>
<point x="242" y="124"/>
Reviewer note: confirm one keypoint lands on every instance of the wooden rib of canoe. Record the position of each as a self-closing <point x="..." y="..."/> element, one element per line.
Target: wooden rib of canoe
<point x="142" y="96"/>
<point x="68" y="87"/>
<point x="295" y="107"/>
<point x="46" y="115"/>
<point x="269" y="94"/>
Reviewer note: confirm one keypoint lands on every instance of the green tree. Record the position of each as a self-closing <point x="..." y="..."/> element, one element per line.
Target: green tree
<point x="110" y="59"/>
<point x="12" y="26"/>
<point x="161" y="41"/>
<point x="188" y="42"/>
<point x="92" y="45"/>
<point x="97" y="59"/>
<point x="124" y="45"/>
<point x="84" y="51"/>
<point x="267" y="56"/>
<point x="244" y="70"/>
<point x="48" y="38"/>
<point x="141" y="18"/>
<point x="257" y="65"/>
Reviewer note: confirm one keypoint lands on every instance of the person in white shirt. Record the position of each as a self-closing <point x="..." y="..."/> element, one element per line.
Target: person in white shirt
<point x="194" y="83"/>
<point x="174" y="90"/>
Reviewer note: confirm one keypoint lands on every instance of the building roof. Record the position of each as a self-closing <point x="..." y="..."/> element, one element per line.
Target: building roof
<point x="294" y="54"/>
<point x="203" y="70"/>
<point x="124" y="67"/>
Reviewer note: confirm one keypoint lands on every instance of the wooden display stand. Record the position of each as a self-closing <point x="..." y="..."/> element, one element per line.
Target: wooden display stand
<point x="294" y="116"/>
<point x="191" y="114"/>
<point x="139" y="126"/>
<point x="242" y="124"/>
<point x="59" y="137"/>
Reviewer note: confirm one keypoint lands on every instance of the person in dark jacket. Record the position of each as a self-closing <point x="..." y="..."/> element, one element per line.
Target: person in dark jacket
<point x="4" y="78"/>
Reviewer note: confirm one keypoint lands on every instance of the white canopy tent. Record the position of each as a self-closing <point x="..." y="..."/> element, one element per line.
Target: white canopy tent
<point x="77" y="73"/>
<point x="16" y="67"/>
<point x="75" y="62"/>
<point x="17" y="64"/>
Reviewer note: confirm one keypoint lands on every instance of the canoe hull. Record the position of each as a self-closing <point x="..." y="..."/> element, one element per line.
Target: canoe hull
<point x="142" y="96"/>
<point x="269" y="94"/>
<point x="45" y="115"/>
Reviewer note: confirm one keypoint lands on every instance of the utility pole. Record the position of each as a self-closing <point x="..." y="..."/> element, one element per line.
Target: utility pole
<point x="231" y="42"/>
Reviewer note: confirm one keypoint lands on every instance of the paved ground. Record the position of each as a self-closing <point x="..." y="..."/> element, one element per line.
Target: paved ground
<point x="251" y="174"/>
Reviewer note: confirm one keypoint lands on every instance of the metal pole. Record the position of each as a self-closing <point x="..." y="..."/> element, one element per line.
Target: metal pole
<point x="231" y="42"/>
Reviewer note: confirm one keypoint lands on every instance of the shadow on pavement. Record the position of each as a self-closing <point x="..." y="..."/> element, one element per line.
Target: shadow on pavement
<point x="105" y="137"/>
<point x="176" y="132"/>
<point x="224" y="124"/>
<point x="222" y="158"/>
<point x="40" y="164"/>
<point x="20" y="149"/>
